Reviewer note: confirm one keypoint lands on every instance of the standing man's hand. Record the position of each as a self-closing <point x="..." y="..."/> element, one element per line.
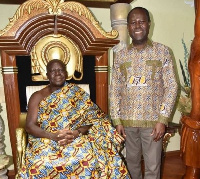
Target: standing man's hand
<point x="158" y="131"/>
<point x="120" y="130"/>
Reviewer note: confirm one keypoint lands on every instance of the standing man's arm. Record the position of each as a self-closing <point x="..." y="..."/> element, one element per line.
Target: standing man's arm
<point x="169" y="96"/>
<point x="115" y="96"/>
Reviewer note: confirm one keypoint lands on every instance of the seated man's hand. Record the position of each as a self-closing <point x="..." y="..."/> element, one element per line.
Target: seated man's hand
<point x="67" y="136"/>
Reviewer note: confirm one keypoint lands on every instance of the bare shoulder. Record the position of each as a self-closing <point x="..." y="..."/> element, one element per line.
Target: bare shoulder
<point x="37" y="96"/>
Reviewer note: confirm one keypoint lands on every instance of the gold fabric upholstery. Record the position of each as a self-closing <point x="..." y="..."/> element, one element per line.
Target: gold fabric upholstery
<point x="22" y="120"/>
<point x="21" y="137"/>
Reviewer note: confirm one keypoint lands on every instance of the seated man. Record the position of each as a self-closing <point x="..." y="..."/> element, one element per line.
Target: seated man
<point x="69" y="136"/>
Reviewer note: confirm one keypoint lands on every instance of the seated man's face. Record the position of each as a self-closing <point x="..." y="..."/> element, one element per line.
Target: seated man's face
<point x="56" y="73"/>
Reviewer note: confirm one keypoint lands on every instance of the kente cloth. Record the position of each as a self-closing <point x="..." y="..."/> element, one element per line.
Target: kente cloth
<point x="94" y="155"/>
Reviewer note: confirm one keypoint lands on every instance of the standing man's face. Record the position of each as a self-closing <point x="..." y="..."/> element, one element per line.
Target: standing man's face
<point x="138" y="26"/>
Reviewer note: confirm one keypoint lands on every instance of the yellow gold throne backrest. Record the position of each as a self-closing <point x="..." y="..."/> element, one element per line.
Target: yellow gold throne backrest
<point x="56" y="46"/>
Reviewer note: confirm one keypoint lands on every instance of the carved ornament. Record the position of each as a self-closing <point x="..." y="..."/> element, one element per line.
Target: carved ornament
<point x="56" y="47"/>
<point x="33" y="8"/>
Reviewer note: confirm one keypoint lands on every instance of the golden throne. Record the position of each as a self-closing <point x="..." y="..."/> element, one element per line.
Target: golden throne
<point x="53" y="46"/>
<point x="72" y="28"/>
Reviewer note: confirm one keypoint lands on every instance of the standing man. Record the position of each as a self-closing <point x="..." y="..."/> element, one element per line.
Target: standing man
<point x="143" y="93"/>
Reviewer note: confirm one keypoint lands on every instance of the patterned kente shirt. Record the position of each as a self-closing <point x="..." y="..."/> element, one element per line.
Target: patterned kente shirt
<point x="143" y="88"/>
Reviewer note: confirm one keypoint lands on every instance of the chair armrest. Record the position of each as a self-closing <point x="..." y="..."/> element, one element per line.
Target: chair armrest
<point x="21" y="138"/>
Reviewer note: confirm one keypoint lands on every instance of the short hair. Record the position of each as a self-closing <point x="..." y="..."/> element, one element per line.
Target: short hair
<point x="53" y="61"/>
<point x="141" y="8"/>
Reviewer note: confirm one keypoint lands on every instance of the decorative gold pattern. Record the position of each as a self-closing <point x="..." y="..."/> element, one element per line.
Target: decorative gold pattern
<point x="56" y="47"/>
<point x="84" y="11"/>
<point x="26" y="8"/>
<point x="166" y="139"/>
<point x="56" y="7"/>
<point x="21" y="145"/>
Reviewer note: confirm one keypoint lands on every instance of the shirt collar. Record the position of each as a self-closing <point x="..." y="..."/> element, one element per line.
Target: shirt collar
<point x="149" y="43"/>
